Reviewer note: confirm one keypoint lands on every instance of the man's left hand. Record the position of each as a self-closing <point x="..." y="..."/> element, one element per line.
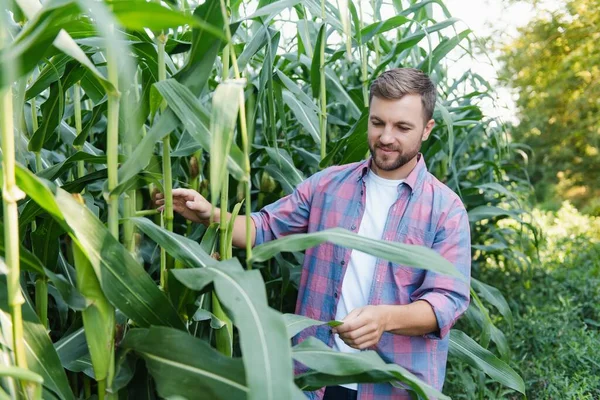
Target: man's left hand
<point x="363" y="327"/>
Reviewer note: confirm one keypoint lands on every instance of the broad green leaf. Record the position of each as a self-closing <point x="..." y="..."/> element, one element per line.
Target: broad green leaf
<point x="36" y="37"/>
<point x="196" y="121"/>
<point x="72" y="347"/>
<point x="489" y="212"/>
<point x="225" y="106"/>
<point x="52" y="112"/>
<point x="98" y="317"/>
<point x="41" y="356"/>
<point x="124" y="282"/>
<point x="442" y="50"/>
<point x="273" y="9"/>
<point x="494" y="297"/>
<point x="467" y="350"/>
<point x="52" y="72"/>
<point x="64" y="42"/>
<point x="295" y="323"/>
<point x="58" y="169"/>
<point x="297" y="91"/>
<point x="406" y="254"/>
<point x="183" y="365"/>
<point x="306" y="116"/>
<point x="283" y="170"/>
<point x="365" y="366"/>
<point x="205" y="47"/>
<point x="263" y="337"/>
<point x="151" y="15"/>
<point x="318" y="62"/>
<point x="369" y="31"/>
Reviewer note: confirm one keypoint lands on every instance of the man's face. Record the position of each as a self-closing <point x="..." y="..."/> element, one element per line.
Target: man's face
<point x="396" y="130"/>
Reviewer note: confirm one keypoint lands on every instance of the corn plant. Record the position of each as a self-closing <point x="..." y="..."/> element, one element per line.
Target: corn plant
<point x="104" y="104"/>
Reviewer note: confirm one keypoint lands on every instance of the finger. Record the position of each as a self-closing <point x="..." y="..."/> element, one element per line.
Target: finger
<point x="159" y="195"/>
<point x="160" y="202"/>
<point x="363" y="342"/>
<point x="188" y="194"/>
<point x="351" y="321"/>
<point x="161" y="208"/>
<point x="357" y="333"/>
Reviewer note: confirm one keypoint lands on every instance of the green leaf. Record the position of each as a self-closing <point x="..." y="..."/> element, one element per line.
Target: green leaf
<point x="297" y="91"/>
<point x="307" y="117"/>
<point x="183" y="365"/>
<point x="468" y="351"/>
<point x="369" y="31"/>
<point x="318" y="62"/>
<point x="52" y="112"/>
<point x="63" y="42"/>
<point x="365" y="366"/>
<point x="41" y="356"/>
<point x="36" y="37"/>
<point x="410" y="255"/>
<point x="124" y="282"/>
<point x="205" y="47"/>
<point x="489" y="212"/>
<point x="225" y="106"/>
<point x="273" y="9"/>
<point x="137" y="15"/>
<point x="52" y="72"/>
<point x="295" y="323"/>
<point x="442" y="50"/>
<point x="98" y="316"/>
<point x="494" y="297"/>
<point x="195" y="119"/>
<point x="263" y="337"/>
<point x="71" y="348"/>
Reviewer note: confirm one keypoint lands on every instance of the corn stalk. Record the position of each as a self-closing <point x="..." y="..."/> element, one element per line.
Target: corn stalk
<point x="11" y="194"/>
<point x="323" y="90"/>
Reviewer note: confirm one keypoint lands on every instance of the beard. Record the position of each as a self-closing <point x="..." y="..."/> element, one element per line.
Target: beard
<point x="393" y="161"/>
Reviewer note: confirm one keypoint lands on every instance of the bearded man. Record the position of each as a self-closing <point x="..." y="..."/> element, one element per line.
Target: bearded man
<point x="403" y="313"/>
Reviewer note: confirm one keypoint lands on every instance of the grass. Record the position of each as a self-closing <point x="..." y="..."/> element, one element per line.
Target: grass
<point x="556" y="309"/>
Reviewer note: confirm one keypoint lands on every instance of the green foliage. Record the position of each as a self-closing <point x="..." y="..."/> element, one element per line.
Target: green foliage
<point x="554" y="65"/>
<point x="165" y="335"/>
<point x="556" y="310"/>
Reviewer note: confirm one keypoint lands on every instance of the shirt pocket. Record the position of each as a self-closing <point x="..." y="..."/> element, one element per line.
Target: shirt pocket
<point x="406" y="275"/>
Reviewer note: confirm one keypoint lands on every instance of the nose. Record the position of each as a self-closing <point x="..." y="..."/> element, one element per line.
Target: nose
<point x="387" y="137"/>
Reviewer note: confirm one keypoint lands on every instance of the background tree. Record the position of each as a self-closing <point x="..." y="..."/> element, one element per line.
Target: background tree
<point x="554" y="65"/>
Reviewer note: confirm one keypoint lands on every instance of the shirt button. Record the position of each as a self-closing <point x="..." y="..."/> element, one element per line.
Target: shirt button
<point x="343" y="262"/>
<point x="335" y="295"/>
<point x="353" y="227"/>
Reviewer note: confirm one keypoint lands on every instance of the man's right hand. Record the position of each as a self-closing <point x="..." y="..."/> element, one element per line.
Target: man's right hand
<point x="189" y="203"/>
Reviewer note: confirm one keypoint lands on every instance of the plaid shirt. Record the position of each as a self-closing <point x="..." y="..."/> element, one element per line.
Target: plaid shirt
<point x="426" y="213"/>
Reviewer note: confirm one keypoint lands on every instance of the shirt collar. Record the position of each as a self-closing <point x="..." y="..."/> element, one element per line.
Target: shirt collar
<point x="414" y="179"/>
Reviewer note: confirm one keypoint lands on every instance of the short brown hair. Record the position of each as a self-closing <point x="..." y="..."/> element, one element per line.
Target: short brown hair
<point x="399" y="82"/>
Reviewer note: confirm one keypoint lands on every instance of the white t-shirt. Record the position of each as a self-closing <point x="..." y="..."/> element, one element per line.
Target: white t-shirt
<point x="380" y="196"/>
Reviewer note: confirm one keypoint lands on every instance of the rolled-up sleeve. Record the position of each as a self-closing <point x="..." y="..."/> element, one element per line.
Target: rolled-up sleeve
<point x="448" y="296"/>
<point x="287" y="215"/>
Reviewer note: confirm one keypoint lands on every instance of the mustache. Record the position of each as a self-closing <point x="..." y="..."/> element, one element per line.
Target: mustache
<point x="389" y="148"/>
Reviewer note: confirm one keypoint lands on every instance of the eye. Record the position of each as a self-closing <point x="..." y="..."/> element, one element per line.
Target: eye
<point x="376" y="123"/>
<point x="403" y="128"/>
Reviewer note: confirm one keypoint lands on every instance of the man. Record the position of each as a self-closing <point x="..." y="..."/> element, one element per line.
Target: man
<point x="403" y="313"/>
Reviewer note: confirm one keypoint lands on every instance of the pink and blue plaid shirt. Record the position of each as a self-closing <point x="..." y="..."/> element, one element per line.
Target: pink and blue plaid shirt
<point x="426" y="213"/>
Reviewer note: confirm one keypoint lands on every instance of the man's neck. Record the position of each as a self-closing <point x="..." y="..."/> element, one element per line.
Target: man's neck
<point x="396" y="174"/>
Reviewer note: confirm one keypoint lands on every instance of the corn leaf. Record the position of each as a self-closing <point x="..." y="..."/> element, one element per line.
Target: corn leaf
<point x="185" y="366"/>
<point x="263" y="337"/>
<point x="124" y="282"/>
<point x="336" y="367"/>
<point x="410" y="255"/>
<point x="468" y="351"/>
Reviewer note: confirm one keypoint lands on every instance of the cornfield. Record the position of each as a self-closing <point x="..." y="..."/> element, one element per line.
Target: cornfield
<point x="104" y="104"/>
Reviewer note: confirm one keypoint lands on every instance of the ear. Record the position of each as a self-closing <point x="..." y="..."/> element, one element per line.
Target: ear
<point x="427" y="129"/>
